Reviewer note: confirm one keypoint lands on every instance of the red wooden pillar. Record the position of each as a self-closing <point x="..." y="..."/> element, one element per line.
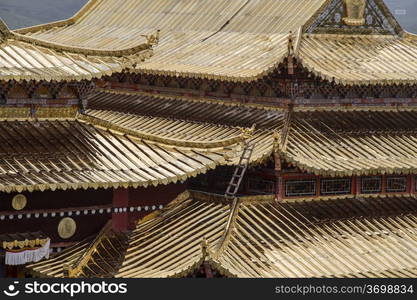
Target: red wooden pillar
<point x="120" y="220"/>
<point x="410" y="184"/>
<point x="279" y="189"/>
<point x="148" y="199"/>
<point x="358" y="185"/>
<point x="384" y="184"/>
<point x="354" y="188"/>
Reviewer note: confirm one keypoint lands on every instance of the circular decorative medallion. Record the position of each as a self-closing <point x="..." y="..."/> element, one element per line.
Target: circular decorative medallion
<point x="67" y="228"/>
<point x="19" y="202"/>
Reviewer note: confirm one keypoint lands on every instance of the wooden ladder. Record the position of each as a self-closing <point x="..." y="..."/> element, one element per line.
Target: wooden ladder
<point x="240" y="171"/>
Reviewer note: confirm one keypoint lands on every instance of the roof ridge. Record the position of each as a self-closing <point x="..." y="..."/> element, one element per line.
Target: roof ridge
<point x="95" y="121"/>
<point x="75" y="269"/>
<point x="223" y="242"/>
<point x="81" y="50"/>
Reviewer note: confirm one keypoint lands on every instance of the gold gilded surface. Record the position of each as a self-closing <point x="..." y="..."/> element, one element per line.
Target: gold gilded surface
<point x="358" y="59"/>
<point x="66" y="228"/>
<point x="94" y="258"/>
<point x="354" y="12"/>
<point x="214" y="40"/>
<point x="196" y="43"/>
<point x="353" y="142"/>
<point x="266" y="239"/>
<point x="22" y="243"/>
<point x="19" y="202"/>
<point x="109" y="151"/>
<point x="271" y="239"/>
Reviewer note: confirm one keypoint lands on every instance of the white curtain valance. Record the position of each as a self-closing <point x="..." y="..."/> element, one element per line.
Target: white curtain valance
<point x="27" y="256"/>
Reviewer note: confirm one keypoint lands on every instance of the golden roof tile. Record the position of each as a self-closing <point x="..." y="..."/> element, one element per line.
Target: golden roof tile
<point x="230" y="40"/>
<point x="270" y="239"/>
<point x="236" y="40"/>
<point x="353" y="142"/>
<point x="98" y="257"/>
<point x="361" y="59"/>
<point x="51" y="154"/>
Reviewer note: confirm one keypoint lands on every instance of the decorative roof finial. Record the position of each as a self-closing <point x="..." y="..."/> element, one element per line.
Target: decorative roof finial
<point x="354" y="12"/>
<point x="152" y="39"/>
<point x="290" y="43"/>
<point x="248" y="132"/>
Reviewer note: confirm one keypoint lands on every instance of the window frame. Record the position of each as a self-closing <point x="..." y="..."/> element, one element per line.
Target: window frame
<point x="396" y="177"/>
<point x="373" y="191"/>
<point x="312" y="181"/>
<point x="323" y="181"/>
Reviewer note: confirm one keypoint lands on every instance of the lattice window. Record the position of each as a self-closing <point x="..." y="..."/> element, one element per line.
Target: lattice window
<point x="371" y="185"/>
<point x="260" y="186"/>
<point x="336" y="186"/>
<point x="296" y="188"/>
<point x="396" y="184"/>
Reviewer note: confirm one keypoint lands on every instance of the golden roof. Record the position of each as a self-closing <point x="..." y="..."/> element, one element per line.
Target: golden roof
<point x="219" y="39"/>
<point x="238" y="40"/>
<point x="26" y="58"/>
<point x="95" y="257"/>
<point x="198" y="109"/>
<point x="187" y="119"/>
<point x="353" y="142"/>
<point x="260" y="237"/>
<point x="361" y="59"/>
<point x="125" y="140"/>
<point x="87" y="151"/>
<point x="271" y="239"/>
<point x="333" y="141"/>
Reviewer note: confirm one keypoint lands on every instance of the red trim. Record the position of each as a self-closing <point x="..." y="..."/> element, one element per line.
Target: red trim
<point x="63" y="244"/>
<point x="384" y="184"/>
<point x="298" y="176"/>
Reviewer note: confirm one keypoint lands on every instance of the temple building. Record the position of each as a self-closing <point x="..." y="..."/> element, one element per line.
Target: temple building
<point x="210" y="138"/>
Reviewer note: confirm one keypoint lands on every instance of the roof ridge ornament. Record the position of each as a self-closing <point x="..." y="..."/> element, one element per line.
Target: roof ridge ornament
<point x="247" y="133"/>
<point x="354" y="12"/>
<point x="290" y="59"/>
<point x="152" y="39"/>
<point x="4" y="31"/>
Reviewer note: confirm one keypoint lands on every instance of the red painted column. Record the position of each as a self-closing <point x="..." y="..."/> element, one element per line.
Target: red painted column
<point x="358" y="185"/>
<point x="384" y="184"/>
<point x="410" y="184"/>
<point x="354" y="187"/>
<point x="279" y="189"/>
<point x="120" y="221"/>
<point x="148" y="199"/>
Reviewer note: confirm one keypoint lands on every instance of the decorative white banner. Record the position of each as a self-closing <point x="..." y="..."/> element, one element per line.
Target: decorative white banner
<point x="27" y="256"/>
